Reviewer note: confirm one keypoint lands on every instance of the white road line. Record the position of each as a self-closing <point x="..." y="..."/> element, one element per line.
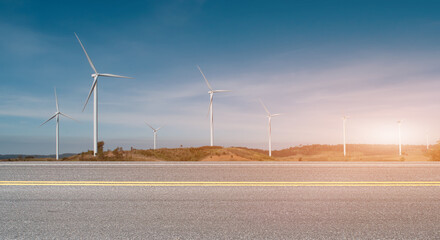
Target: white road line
<point x="183" y="164"/>
<point x="221" y="184"/>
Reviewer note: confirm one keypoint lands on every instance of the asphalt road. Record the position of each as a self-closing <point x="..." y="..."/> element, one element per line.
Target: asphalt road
<point x="43" y="200"/>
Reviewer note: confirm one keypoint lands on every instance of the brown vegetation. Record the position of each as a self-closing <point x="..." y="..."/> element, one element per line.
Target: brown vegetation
<point x="355" y="152"/>
<point x="358" y="152"/>
<point x="434" y="152"/>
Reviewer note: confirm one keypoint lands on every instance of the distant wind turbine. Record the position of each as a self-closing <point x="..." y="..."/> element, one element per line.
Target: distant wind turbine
<point x="94" y="89"/>
<point x="269" y="125"/>
<point x="154" y="134"/>
<point x="57" y="116"/>
<point x="344" y="120"/>
<point x="427" y="141"/>
<point x="211" y="95"/>
<point x="400" y="137"/>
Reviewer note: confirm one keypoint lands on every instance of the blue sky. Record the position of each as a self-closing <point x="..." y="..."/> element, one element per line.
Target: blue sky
<point x="313" y="61"/>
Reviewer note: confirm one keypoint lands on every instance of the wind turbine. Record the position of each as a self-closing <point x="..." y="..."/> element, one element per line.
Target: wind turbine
<point x="400" y="137"/>
<point x="427" y="141"/>
<point x="211" y="95"/>
<point x="57" y="116"/>
<point x="154" y="134"/>
<point x="344" y="120"/>
<point x="94" y="89"/>
<point x="269" y="116"/>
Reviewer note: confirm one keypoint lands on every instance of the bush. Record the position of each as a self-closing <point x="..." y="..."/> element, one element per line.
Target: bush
<point x="434" y="152"/>
<point x="118" y="153"/>
<point x="180" y="154"/>
<point x="101" y="150"/>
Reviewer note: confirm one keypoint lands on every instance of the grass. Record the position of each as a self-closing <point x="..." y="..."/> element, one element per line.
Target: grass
<point x="181" y="154"/>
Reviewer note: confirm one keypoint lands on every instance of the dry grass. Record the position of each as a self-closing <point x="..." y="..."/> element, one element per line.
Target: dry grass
<point x="359" y="152"/>
<point x="301" y="153"/>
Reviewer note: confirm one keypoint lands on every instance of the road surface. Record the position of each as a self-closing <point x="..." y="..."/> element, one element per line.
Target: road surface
<point x="219" y="200"/>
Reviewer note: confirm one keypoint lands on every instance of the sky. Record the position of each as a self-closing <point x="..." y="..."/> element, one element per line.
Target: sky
<point x="313" y="61"/>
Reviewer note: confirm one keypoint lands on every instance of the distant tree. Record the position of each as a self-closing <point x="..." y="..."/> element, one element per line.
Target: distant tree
<point x="434" y="152"/>
<point x="101" y="150"/>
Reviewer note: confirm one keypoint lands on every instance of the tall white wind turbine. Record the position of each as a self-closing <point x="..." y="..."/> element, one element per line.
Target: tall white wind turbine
<point x="211" y="95"/>
<point x="94" y="89"/>
<point x="269" y="125"/>
<point x="154" y="134"/>
<point x="400" y="137"/>
<point x="57" y="116"/>
<point x="344" y="120"/>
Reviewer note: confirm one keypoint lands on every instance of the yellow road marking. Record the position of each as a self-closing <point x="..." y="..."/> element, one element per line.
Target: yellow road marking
<point x="220" y="184"/>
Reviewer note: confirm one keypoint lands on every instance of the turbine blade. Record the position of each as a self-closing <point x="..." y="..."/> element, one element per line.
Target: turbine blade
<point x="87" y="55"/>
<point x="56" y="99"/>
<point x="112" y="75"/>
<point x="277" y="114"/>
<point x="49" y="119"/>
<point x="264" y="106"/>
<point x="65" y="115"/>
<point x="159" y="128"/>
<point x="150" y="126"/>
<point x="216" y="91"/>
<point x="91" y="90"/>
<point x="206" y="80"/>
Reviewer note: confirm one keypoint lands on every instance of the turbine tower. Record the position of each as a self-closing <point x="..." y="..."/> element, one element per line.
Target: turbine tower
<point x="400" y="137"/>
<point x="344" y="120"/>
<point x="269" y="126"/>
<point x="427" y="141"/>
<point x="94" y="89"/>
<point x="211" y="95"/>
<point x="57" y="132"/>
<point x="154" y="134"/>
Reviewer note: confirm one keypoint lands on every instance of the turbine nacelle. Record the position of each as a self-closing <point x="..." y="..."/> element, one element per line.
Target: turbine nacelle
<point x="94" y="75"/>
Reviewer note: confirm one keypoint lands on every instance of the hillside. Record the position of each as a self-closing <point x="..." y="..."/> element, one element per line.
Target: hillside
<point x="355" y="152"/>
<point x="177" y="154"/>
